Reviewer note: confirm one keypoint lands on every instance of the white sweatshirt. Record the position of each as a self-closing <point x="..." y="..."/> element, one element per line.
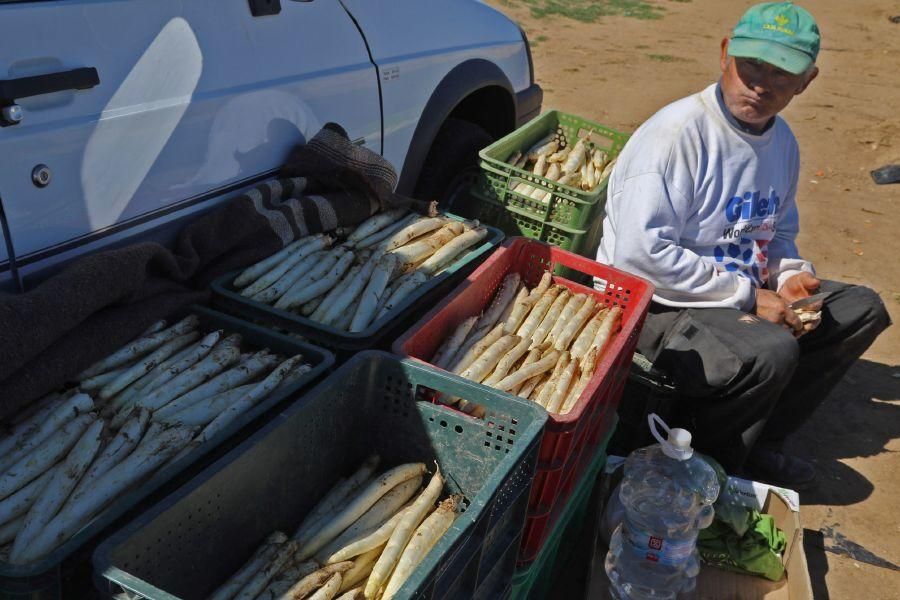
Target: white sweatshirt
<point x="702" y="209"/>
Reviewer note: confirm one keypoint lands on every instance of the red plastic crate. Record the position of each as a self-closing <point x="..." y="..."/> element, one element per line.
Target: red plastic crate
<point x="567" y="437"/>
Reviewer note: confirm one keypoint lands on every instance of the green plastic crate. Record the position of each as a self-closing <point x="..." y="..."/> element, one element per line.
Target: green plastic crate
<point x="193" y="540"/>
<point x="536" y="580"/>
<point x="569" y="207"/>
<point x="514" y="222"/>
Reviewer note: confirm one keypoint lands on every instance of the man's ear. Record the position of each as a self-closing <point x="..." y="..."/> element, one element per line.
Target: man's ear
<point x="723" y="59"/>
<point x="809" y="79"/>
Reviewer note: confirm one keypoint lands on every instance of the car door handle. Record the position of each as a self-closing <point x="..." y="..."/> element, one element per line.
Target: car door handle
<point x="36" y="85"/>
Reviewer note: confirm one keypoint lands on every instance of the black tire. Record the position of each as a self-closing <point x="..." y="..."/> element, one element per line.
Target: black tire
<point x="452" y="166"/>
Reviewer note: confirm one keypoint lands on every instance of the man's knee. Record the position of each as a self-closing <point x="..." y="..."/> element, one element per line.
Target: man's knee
<point x="777" y="358"/>
<point x="874" y="313"/>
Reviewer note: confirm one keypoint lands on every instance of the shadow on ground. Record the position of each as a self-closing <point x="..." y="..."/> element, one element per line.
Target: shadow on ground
<point x="857" y="420"/>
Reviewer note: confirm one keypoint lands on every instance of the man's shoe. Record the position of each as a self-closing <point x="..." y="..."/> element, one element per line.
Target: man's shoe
<point x="779" y="469"/>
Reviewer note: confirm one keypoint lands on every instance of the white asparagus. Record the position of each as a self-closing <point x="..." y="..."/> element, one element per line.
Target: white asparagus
<point x="259" y="392"/>
<point x="574" y="325"/>
<point x="386" y="506"/>
<point x="575" y="158"/>
<point x="586" y="337"/>
<point x="547" y="391"/>
<point x="288" y="576"/>
<point x="10" y="529"/>
<point x="442" y="257"/>
<point x="225" y="354"/>
<point x="32" y="465"/>
<point x="238" y="375"/>
<point x="473" y="348"/>
<point x="549" y="320"/>
<point x="362" y="566"/>
<point x="360" y="504"/>
<point x="375" y="224"/>
<point x="257" y="270"/>
<point x="354" y="288"/>
<point x="260" y="558"/>
<point x="534" y="355"/>
<point x="115" y="452"/>
<point x="544" y="364"/>
<point x="141" y="346"/>
<point x="292" y="261"/>
<point x="126" y="396"/>
<point x="373" y="292"/>
<point x="423" y="540"/>
<point x="306" y="289"/>
<point x="562" y="387"/>
<point x="543" y="285"/>
<point x="410" y="232"/>
<point x="327" y="302"/>
<point x="191" y="356"/>
<point x="147" y="364"/>
<point x="98" y="381"/>
<point x="73" y="516"/>
<point x="339" y="493"/>
<point x="258" y="582"/>
<point x="509" y="288"/>
<point x="343" y="322"/>
<point x="300" y="270"/>
<point x="310" y="307"/>
<point x="451" y="345"/>
<point x="374" y="539"/>
<point x="30" y="425"/>
<point x="520" y="308"/>
<point x="17" y="504"/>
<point x="574" y="302"/>
<point x="380" y="236"/>
<point x="329" y="590"/>
<point x="402" y="533"/>
<point x="484" y="364"/>
<point x="303" y="587"/>
<point x="57" y="491"/>
<point x="606" y="330"/>
<point x="586" y="368"/>
<point x="538" y="312"/>
<point x="507" y="361"/>
<point x="411" y="255"/>
<point x="401" y="292"/>
<point x="203" y="412"/>
<point x="74" y="406"/>
<point x="315" y="292"/>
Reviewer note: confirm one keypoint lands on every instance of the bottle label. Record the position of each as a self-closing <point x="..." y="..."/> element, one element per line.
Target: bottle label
<point x="659" y="550"/>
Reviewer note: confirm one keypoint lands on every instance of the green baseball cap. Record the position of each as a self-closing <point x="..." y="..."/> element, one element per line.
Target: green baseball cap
<point x="779" y="33"/>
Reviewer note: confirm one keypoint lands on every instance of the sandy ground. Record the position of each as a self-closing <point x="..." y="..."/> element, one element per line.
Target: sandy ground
<point x="619" y="70"/>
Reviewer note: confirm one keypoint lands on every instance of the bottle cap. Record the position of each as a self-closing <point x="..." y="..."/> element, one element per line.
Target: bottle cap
<point x="677" y="444"/>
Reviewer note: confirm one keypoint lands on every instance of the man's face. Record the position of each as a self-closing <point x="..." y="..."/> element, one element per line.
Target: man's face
<point x="756" y="91"/>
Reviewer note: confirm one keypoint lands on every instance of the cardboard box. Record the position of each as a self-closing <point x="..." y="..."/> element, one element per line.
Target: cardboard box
<point x="713" y="583"/>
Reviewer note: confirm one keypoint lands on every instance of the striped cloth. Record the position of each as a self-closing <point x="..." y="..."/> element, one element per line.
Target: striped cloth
<point x="101" y="301"/>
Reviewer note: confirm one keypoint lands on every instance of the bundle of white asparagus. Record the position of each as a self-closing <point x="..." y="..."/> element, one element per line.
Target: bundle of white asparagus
<point x="580" y="165"/>
<point x="135" y="411"/>
<point x="353" y="284"/>
<point x="363" y="539"/>
<point x="542" y="344"/>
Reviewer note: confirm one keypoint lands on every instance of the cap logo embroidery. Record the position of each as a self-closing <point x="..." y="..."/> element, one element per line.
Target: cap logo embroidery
<point x="779" y="26"/>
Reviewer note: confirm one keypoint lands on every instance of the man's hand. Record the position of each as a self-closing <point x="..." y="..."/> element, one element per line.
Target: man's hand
<point x="773" y="307"/>
<point x="799" y="286"/>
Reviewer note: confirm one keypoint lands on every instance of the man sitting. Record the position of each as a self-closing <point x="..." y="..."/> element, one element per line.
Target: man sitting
<point x="702" y="203"/>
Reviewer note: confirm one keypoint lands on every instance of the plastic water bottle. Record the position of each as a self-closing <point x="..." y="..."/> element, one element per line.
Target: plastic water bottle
<point x="667" y="496"/>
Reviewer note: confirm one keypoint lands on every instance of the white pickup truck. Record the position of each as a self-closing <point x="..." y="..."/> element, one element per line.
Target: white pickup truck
<point x="121" y="119"/>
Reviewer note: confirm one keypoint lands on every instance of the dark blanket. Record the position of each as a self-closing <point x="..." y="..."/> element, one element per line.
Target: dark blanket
<point x="101" y="301"/>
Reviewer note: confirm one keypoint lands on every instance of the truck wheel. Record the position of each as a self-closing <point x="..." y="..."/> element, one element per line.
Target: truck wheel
<point x="452" y="166"/>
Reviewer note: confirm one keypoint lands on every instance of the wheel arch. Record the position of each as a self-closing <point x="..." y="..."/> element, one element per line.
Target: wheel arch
<point x="476" y="90"/>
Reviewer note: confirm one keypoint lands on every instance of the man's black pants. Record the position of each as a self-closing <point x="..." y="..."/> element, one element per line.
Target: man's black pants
<point x="743" y="381"/>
